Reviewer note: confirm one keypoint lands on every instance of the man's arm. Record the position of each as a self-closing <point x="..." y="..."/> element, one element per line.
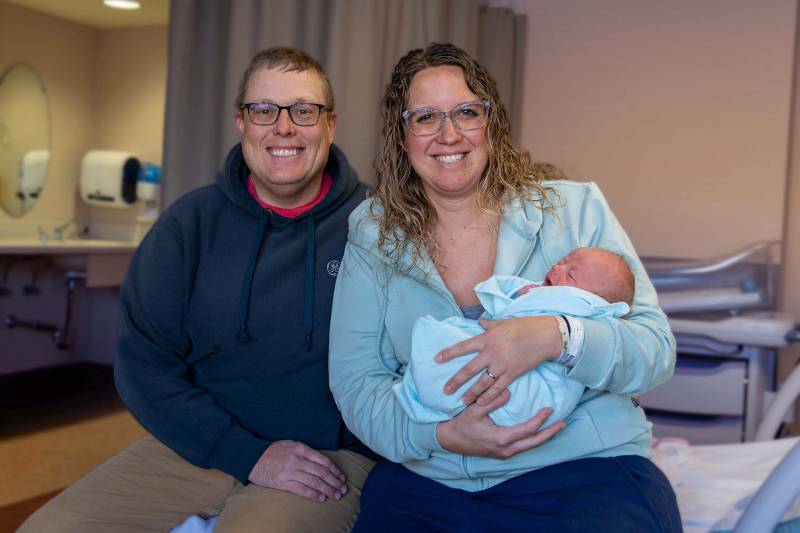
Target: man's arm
<point x="151" y="373"/>
<point x="153" y="379"/>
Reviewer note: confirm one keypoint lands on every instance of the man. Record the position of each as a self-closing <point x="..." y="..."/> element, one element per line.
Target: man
<point x="223" y="350"/>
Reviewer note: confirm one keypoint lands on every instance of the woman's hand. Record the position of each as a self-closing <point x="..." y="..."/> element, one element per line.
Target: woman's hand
<point x="507" y="349"/>
<point x="473" y="433"/>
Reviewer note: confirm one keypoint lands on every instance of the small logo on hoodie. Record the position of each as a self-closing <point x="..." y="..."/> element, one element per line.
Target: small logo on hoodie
<point x="333" y="267"/>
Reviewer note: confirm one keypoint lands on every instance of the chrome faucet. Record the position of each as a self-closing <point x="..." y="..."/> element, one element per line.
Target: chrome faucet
<point x="43" y="236"/>
<point x="58" y="231"/>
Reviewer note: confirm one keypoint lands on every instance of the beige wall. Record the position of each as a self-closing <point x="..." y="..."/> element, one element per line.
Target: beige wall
<point x="63" y="54"/>
<point x="106" y="89"/>
<point x="679" y="110"/>
<point x="131" y="91"/>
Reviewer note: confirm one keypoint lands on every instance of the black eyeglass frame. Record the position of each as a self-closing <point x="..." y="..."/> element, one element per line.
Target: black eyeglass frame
<point x="407" y="114"/>
<point x="248" y="106"/>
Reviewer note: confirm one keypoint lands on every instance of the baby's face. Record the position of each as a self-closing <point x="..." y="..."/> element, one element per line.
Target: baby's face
<point x="581" y="268"/>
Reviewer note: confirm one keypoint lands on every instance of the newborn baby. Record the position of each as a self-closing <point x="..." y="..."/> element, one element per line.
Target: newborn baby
<point x="580" y="285"/>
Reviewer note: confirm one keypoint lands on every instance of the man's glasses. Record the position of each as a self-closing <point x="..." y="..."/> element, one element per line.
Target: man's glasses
<point x="429" y="120"/>
<point x="301" y="113"/>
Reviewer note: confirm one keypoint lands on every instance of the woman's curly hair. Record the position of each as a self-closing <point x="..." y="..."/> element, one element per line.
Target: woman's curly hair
<point x="408" y="217"/>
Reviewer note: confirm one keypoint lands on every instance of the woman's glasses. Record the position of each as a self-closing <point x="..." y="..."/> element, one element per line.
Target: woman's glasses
<point x="429" y="120"/>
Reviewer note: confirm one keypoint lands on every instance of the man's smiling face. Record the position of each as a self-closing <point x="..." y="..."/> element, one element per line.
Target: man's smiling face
<point x="286" y="160"/>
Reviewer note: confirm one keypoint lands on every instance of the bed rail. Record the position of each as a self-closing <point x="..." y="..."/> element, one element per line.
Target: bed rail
<point x="772" y="499"/>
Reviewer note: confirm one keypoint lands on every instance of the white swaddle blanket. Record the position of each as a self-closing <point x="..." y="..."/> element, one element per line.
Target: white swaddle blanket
<point x="420" y="392"/>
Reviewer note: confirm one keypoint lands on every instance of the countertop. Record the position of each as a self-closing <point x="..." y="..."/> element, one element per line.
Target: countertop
<point x="32" y="246"/>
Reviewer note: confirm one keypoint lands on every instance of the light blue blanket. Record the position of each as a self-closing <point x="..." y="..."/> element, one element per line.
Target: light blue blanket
<point x="420" y="392"/>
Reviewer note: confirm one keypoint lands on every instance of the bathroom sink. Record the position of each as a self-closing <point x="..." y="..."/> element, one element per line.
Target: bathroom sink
<point x="103" y="260"/>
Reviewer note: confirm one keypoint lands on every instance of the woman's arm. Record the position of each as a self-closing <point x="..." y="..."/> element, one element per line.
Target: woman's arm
<point x="363" y="369"/>
<point x="632" y="355"/>
<point x="507" y="349"/>
<point x="628" y="356"/>
<point x="473" y="433"/>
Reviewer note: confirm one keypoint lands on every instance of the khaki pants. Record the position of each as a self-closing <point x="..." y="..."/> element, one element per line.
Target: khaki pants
<point x="147" y="487"/>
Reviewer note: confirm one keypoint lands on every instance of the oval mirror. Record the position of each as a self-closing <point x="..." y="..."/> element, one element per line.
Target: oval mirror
<point x="24" y="139"/>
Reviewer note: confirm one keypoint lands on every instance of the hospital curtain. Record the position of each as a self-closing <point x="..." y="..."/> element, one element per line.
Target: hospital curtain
<point x="358" y="42"/>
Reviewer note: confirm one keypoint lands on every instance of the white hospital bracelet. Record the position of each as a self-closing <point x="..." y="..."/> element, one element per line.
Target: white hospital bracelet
<point x="574" y="350"/>
<point x="563" y="329"/>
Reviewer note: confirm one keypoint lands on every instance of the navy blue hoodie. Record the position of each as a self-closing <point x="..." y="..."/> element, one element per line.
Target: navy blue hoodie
<point x="225" y="313"/>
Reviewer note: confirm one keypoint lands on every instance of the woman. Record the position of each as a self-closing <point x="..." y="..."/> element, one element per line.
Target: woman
<point x="456" y="203"/>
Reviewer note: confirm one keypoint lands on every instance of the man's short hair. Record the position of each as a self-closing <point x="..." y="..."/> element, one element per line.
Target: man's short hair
<point x="288" y="60"/>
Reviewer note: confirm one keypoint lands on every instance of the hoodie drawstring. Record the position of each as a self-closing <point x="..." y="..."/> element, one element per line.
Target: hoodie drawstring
<point x="308" y="304"/>
<point x="247" y="281"/>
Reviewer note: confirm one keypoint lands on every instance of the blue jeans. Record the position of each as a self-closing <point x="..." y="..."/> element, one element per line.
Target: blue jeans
<point x="617" y="494"/>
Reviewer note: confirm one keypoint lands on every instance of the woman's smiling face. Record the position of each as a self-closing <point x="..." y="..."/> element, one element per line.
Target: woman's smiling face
<point x="450" y="162"/>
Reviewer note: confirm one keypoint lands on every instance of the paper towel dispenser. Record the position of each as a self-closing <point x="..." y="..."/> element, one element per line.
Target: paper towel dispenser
<point x="109" y="178"/>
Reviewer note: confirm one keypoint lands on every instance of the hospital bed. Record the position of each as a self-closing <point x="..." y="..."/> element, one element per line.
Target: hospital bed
<point x="744" y="487"/>
<point x="722" y="313"/>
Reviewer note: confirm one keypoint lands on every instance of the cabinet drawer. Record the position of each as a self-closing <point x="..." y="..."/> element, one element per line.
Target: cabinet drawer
<point x="702" y="386"/>
<point x="698" y="430"/>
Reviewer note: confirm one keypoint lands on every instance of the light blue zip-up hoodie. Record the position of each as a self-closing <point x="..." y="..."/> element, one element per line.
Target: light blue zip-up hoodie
<point x="376" y="305"/>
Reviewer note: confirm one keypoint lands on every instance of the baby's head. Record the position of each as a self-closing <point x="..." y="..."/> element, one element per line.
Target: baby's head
<point x="596" y="270"/>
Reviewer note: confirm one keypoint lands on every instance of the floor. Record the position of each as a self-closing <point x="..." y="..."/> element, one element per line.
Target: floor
<point x="56" y="424"/>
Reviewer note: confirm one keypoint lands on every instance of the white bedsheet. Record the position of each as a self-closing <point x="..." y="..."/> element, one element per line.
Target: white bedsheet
<point x="710" y="480"/>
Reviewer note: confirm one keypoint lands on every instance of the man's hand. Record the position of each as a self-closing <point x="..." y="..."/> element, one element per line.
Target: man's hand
<point x="473" y="433"/>
<point x="294" y="467"/>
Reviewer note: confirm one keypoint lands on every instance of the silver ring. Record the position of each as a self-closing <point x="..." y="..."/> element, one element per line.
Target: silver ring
<point x="490" y="374"/>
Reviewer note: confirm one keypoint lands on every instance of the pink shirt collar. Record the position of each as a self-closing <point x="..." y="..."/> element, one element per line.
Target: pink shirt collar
<point x="292" y="212"/>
